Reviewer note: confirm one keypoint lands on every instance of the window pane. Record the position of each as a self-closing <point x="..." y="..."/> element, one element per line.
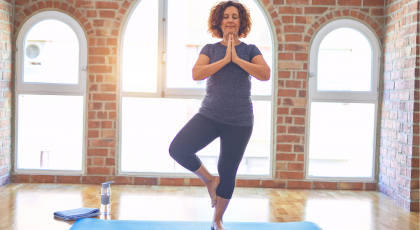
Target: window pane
<point x="187" y="35"/>
<point x="341" y="139"/>
<point x="150" y="124"/>
<point x="51" y="54"/>
<point x="140" y="49"/>
<point x="344" y="62"/>
<point x="50" y="132"/>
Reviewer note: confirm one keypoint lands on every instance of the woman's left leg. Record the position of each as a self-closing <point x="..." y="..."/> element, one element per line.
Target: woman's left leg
<point x="233" y="142"/>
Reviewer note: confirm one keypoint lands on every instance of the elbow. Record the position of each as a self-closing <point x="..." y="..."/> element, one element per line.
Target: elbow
<point x="267" y="75"/>
<point x="194" y="75"/>
<point x="263" y="77"/>
<point x="197" y="77"/>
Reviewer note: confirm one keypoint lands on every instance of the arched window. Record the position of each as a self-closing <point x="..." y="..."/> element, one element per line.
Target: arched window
<point x="161" y="43"/>
<point x="343" y="102"/>
<point x="50" y="92"/>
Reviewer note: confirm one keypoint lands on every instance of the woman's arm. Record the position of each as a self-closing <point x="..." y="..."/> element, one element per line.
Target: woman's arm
<point x="257" y="67"/>
<point x="202" y="69"/>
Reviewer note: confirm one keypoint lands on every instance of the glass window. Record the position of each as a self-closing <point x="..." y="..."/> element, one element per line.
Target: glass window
<point x="140" y="49"/>
<point x="342" y="139"/>
<point x="51" y="54"/>
<point x="50" y="132"/>
<point x="150" y="122"/>
<point x="344" y="62"/>
<point x="50" y="90"/>
<point x="343" y="100"/>
<point x="187" y="35"/>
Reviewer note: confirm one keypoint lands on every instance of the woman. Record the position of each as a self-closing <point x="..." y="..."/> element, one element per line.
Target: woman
<point x="226" y="110"/>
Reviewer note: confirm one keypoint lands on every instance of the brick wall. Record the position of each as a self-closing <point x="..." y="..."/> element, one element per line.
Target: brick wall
<point x="6" y="14"/>
<point x="296" y="23"/>
<point x="399" y="144"/>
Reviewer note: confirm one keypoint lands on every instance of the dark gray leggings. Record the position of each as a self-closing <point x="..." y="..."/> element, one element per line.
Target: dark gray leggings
<point x="201" y="131"/>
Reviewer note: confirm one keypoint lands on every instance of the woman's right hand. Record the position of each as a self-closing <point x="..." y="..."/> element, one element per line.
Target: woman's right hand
<point x="228" y="56"/>
<point x="203" y="69"/>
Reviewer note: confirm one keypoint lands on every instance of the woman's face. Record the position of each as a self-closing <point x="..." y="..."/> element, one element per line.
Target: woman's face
<point x="231" y="22"/>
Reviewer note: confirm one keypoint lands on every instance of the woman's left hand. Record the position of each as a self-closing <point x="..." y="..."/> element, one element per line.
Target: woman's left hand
<point x="235" y="57"/>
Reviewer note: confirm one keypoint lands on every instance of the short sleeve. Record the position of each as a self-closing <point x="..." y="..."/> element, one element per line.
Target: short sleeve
<point x="254" y="51"/>
<point x="205" y="50"/>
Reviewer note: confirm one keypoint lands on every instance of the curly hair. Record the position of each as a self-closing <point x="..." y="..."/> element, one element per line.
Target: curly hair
<point x="216" y="17"/>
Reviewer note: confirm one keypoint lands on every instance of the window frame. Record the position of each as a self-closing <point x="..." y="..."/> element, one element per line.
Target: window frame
<point x="195" y="93"/>
<point x="344" y="97"/>
<point x="191" y="93"/>
<point x="50" y="88"/>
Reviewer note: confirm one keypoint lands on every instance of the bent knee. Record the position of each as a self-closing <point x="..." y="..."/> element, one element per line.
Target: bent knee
<point x="171" y="150"/>
<point x="174" y="150"/>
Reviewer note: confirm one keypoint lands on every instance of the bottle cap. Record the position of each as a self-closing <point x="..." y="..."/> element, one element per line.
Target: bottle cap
<point x="107" y="184"/>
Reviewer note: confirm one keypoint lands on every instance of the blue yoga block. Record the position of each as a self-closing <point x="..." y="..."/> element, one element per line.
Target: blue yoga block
<point x="98" y="224"/>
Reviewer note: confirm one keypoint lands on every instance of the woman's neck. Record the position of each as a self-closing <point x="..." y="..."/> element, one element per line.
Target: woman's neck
<point x="226" y="39"/>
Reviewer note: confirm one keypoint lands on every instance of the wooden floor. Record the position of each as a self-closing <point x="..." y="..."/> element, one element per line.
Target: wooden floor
<point x="31" y="206"/>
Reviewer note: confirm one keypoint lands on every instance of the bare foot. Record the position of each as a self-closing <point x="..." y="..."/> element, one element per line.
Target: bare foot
<point x="217" y="225"/>
<point x="211" y="188"/>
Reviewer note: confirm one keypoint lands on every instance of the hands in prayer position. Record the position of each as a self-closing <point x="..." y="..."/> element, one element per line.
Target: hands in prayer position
<point x="231" y="55"/>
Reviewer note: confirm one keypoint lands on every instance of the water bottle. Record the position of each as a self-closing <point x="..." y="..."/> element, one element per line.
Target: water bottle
<point x="106" y="198"/>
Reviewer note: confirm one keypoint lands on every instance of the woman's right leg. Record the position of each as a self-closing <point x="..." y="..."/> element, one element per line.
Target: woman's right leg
<point x="194" y="136"/>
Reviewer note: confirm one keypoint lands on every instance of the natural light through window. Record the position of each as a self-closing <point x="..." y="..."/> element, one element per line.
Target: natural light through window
<point x="140" y="49"/>
<point x="154" y="122"/>
<point x="187" y="35"/>
<point x="50" y="132"/>
<point x="342" y="139"/>
<point x="50" y="86"/>
<point x="149" y="124"/>
<point x="344" y="62"/>
<point x="343" y="102"/>
<point x="51" y="54"/>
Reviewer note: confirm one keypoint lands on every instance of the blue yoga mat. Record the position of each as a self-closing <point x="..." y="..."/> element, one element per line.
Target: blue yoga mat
<point x="98" y="224"/>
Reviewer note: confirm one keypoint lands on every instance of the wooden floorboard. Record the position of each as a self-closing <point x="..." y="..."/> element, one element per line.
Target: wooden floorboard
<point x="31" y="206"/>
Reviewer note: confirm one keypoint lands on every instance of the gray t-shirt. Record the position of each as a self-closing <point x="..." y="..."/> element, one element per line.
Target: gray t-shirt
<point x="228" y="91"/>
